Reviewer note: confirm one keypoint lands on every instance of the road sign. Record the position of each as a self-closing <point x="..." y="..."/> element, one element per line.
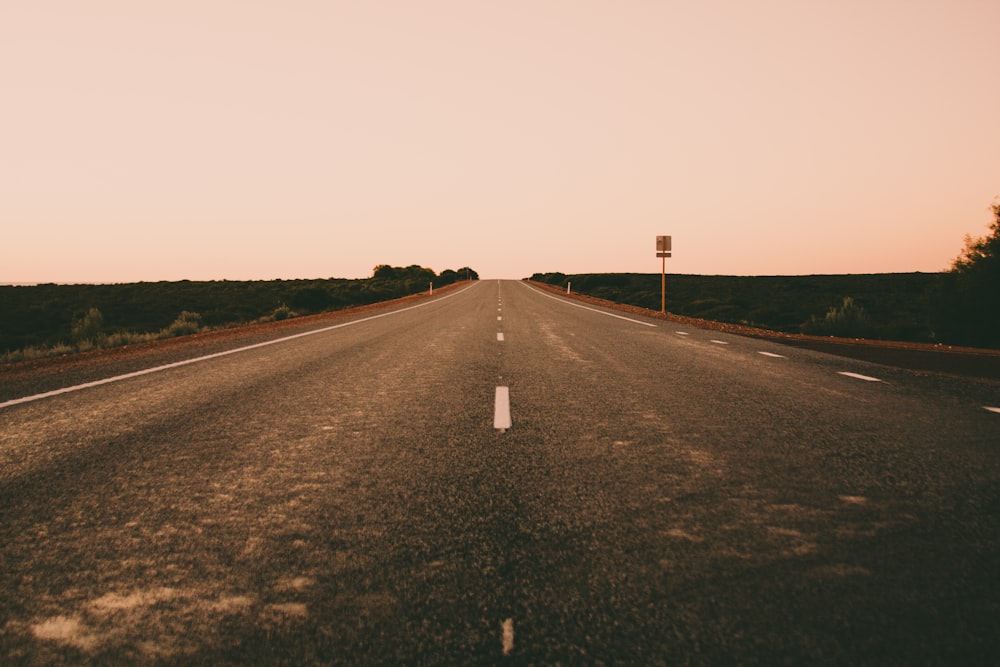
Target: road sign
<point x="663" y="246"/>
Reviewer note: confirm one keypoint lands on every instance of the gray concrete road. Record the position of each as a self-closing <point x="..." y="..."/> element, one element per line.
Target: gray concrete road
<point x="661" y="496"/>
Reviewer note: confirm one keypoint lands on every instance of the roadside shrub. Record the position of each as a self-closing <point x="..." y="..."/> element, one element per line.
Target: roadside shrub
<point x="313" y="299"/>
<point x="186" y="323"/>
<point x="88" y="327"/>
<point x="849" y="320"/>
<point x="282" y="312"/>
<point x="120" y="338"/>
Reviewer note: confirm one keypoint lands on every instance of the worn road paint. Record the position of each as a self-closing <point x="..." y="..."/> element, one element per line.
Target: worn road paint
<point x="858" y="376"/>
<point x="507" y="636"/>
<point x="501" y="409"/>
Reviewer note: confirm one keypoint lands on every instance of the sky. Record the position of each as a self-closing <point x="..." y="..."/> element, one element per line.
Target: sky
<point x="242" y="139"/>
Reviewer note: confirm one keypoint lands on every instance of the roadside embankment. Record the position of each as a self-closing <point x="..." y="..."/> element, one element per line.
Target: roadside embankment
<point x="948" y="359"/>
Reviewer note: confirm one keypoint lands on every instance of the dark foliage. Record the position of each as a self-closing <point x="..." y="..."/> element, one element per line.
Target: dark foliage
<point x="968" y="302"/>
<point x="891" y="306"/>
<point x="44" y="315"/>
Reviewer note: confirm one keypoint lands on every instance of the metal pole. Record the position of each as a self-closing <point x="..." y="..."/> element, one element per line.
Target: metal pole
<point x="663" y="286"/>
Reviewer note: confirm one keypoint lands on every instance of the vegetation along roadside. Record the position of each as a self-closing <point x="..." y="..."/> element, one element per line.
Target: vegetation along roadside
<point x="47" y="320"/>
<point x="956" y="307"/>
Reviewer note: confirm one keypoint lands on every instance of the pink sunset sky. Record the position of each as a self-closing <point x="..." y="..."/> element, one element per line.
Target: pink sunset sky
<point x="215" y="139"/>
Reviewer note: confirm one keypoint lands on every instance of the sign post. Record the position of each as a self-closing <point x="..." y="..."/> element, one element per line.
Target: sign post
<point x="663" y="250"/>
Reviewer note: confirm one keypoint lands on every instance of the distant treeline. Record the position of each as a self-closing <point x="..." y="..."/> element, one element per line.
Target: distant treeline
<point x="36" y="320"/>
<point x="888" y="306"/>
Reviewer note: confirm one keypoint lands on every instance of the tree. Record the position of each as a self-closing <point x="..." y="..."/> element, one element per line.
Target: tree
<point x="385" y="272"/>
<point x="982" y="254"/>
<point x="969" y="306"/>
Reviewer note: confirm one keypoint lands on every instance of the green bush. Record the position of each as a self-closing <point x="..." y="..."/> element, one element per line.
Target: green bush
<point x="186" y="323"/>
<point x="88" y="327"/>
<point x="282" y="312"/>
<point x="848" y="320"/>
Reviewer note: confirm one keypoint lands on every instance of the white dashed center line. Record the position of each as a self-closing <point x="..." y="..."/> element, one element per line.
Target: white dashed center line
<point x="682" y="333"/>
<point x="772" y="354"/>
<point x="507" y="636"/>
<point x="858" y="376"/>
<point x="719" y="342"/>
<point x="501" y="409"/>
<point x="499" y="318"/>
<point x="996" y="410"/>
<point x="500" y="337"/>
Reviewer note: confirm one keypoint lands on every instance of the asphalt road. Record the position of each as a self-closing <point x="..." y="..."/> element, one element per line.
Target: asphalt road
<point x="356" y="496"/>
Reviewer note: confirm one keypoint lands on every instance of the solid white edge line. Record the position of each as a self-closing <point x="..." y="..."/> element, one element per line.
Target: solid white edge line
<point x="185" y="362"/>
<point x="501" y="409"/>
<point x="858" y="376"/>
<point x="991" y="409"/>
<point x="555" y="298"/>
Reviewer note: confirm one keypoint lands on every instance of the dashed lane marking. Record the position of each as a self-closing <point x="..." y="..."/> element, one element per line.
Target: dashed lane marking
<point x="507" y="636"/>
<point x="501" y="409"/>
<point x="185" y="362"/>
<point x="772" y="354"/>
<point x="499" y="318"/>
<point x="719" y="342"/>
<point x="576" y="305"/>
<point x="500" y="337"/>
<point x="682" y="333"/>
<point x="858" y="376"/>
<point x="996" y="410"/>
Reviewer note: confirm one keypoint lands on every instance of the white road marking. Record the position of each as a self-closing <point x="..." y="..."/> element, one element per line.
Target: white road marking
<point x="576" y="305"/>
<point x="682" y="333"/>
<point x="499" y="319"/>
<point x="500" y="337"/>
<point x="772" y="354"/>
<point x="719" y="342"/>
<point x="996" y="410"/>
<point x="501" y="409"/>
<point x="507" y="636"/>
<point x="156" y="369"/>
<point x="858" y="376"/>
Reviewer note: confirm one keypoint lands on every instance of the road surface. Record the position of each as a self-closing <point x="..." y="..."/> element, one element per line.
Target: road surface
<point x="500" y="476"/>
